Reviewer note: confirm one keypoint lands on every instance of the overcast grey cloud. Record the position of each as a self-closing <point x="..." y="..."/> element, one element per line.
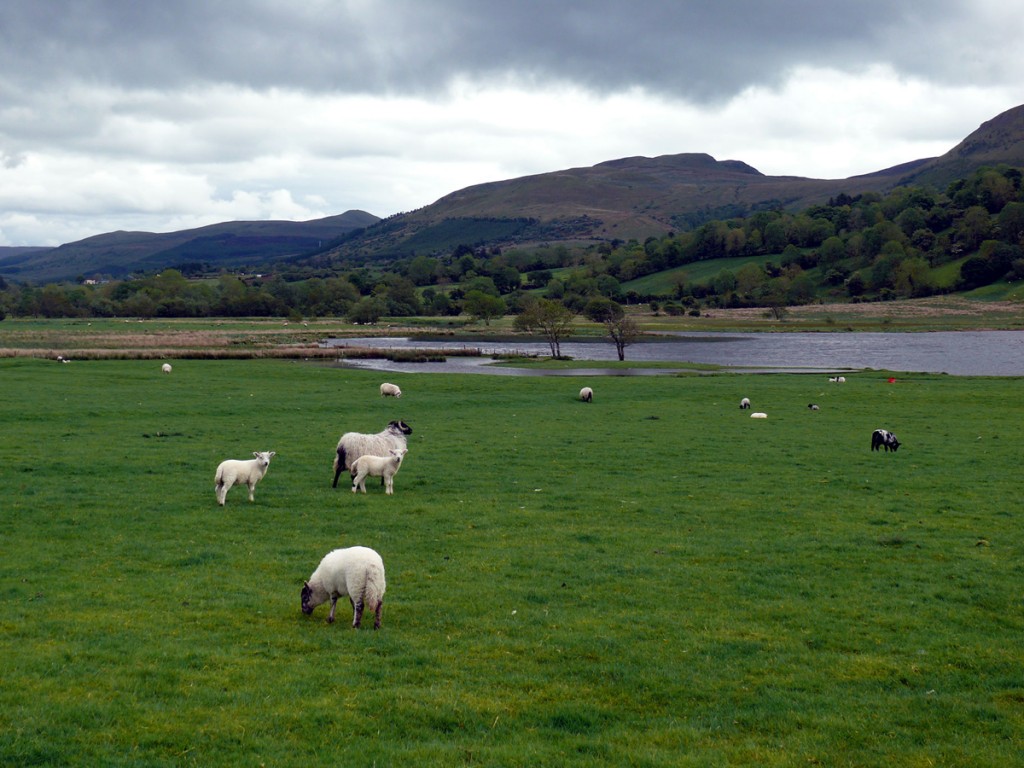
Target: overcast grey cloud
<point x="159" y="116"/>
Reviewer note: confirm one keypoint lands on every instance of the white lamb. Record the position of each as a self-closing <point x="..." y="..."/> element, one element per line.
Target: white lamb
<point x="759" y="415"/>
<point x="235" y="471"/>
<point x="587" y="395"/>
<point x="352" y="445"/>
<point x="166" y="367"/>
<point x="356" y="573"/>
<point x="745" y="404"/>
<point x="390" y="390"/>
<point x="385" y="467"/>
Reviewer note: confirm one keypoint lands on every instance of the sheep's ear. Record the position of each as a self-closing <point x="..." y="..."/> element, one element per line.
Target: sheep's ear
<point x="256" y="454"/>
<point x="305" y="584"/>
<point x="273" y="454"/>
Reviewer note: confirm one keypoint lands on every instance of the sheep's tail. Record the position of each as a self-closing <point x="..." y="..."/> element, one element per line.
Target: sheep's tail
<point x="373" y="587"/>
<point x="339" y="465"/>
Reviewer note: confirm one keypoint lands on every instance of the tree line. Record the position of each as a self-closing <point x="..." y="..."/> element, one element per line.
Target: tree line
<point x="863" y="247"/>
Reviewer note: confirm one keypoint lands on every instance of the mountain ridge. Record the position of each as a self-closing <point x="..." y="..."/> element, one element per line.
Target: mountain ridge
<point x="619" y="199"/>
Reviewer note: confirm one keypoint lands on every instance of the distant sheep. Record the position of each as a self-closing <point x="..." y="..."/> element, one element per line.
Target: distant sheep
<point x="744" y="403"/>
<point x="587" y="395"/>
<point x="390" y="390"/>
<point x="356" y="573"/>
<point x="234" y="471"/>
<point x="883" y="438"/>
<point x="837" y="379"/>
<point x="813" y="406"/>
<point x="759" y="415"/>
<point x="385" y="467"/>
<point x="166" y="367"/>
<point x="352" y="445"/>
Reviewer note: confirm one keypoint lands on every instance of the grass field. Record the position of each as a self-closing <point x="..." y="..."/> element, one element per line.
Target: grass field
<point x="652" y="579"/>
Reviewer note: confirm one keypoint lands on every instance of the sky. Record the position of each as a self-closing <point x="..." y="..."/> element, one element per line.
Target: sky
<point x="161" y="116"/>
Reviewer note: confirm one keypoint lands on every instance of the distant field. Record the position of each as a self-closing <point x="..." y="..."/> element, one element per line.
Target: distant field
<point x="652" y="579"/>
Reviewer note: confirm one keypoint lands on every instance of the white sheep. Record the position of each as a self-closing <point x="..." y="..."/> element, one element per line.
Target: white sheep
<point x="385" y="467"/>
<point x="587" y="395"/>
<point x="352" y="445"/>
<point x="166" y="367"/>
<point x="235" y="471"/>
<point x="356" y="573"/>
<point x="744" y="403"/>
<point x="390" y="390"/>
<point x="759" y="415"/>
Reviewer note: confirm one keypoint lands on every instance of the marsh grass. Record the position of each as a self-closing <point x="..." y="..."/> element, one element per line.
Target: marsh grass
<point x="652" y="579"/>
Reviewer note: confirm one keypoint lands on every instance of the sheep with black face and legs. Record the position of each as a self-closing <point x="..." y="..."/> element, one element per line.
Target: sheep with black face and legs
<point x="587" y="395"/>
<point x="356" y="573"/>
<point x="883" y="438"/>
<point x="352" y="445"/>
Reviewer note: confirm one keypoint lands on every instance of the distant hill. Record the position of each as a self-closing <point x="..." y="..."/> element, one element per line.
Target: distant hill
<point x="638" y="197"/>
<point x="231" y="244"/>
<point x="634" y="197"/>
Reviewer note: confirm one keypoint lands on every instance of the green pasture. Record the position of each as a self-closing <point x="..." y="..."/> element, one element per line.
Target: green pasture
<point x="652" y="579"/>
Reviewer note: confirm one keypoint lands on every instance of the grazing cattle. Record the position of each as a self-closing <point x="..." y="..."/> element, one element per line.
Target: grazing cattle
<point x="883" y="438"/>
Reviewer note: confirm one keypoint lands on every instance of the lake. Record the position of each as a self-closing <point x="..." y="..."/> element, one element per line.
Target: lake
<point x="960" y="353"/>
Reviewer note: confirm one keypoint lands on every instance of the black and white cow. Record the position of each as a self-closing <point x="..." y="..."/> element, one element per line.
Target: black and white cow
<point x="884" y="438"/>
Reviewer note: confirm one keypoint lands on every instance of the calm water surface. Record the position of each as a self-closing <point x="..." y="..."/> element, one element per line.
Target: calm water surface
<point x="965" y="353"/>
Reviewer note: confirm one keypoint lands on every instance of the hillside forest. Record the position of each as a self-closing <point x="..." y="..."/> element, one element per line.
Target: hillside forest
<point x="912" y="242"/>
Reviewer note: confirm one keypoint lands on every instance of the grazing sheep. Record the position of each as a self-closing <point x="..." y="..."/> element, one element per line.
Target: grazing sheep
<point x="166" y="367"/>
<point x="356" y="573"/>
<point x="759" y="415"/>
<point x="390" y="390"/>
<point x="385" y="467"/>
<point x="352" y="445"/>
<point x="837" y="379"/>
<point x="813" y="406"/>
<point x="587" y="395"/>
<point x="235" y="471"/>
<point x="884" y="438"/>
<point x="744" y="403"/>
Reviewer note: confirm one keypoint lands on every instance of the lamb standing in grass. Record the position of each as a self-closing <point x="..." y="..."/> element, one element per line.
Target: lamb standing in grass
<point x="385" y="467"/>
<point x="587" y="395"/>
<point x="390" y="390"/>
<point x="745" y="404"/>
<point x="250" y="472"/>
<point x="166" y="367"/>
<point x="352" y="445"/>
<point x="355" y="572"/>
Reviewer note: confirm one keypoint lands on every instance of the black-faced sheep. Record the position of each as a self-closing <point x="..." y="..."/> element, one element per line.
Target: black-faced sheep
<point x="352" y="445"/>
<point x="812" y="406"/>
<point x="390" y="390"/>
<point x="385" y="467"/>
<point x="355" y="572"/>
<point x="744" y="403"/>
<point x="883" y="438"/>
<point x="249" y="472"/>
<point x="587" y="395"/>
